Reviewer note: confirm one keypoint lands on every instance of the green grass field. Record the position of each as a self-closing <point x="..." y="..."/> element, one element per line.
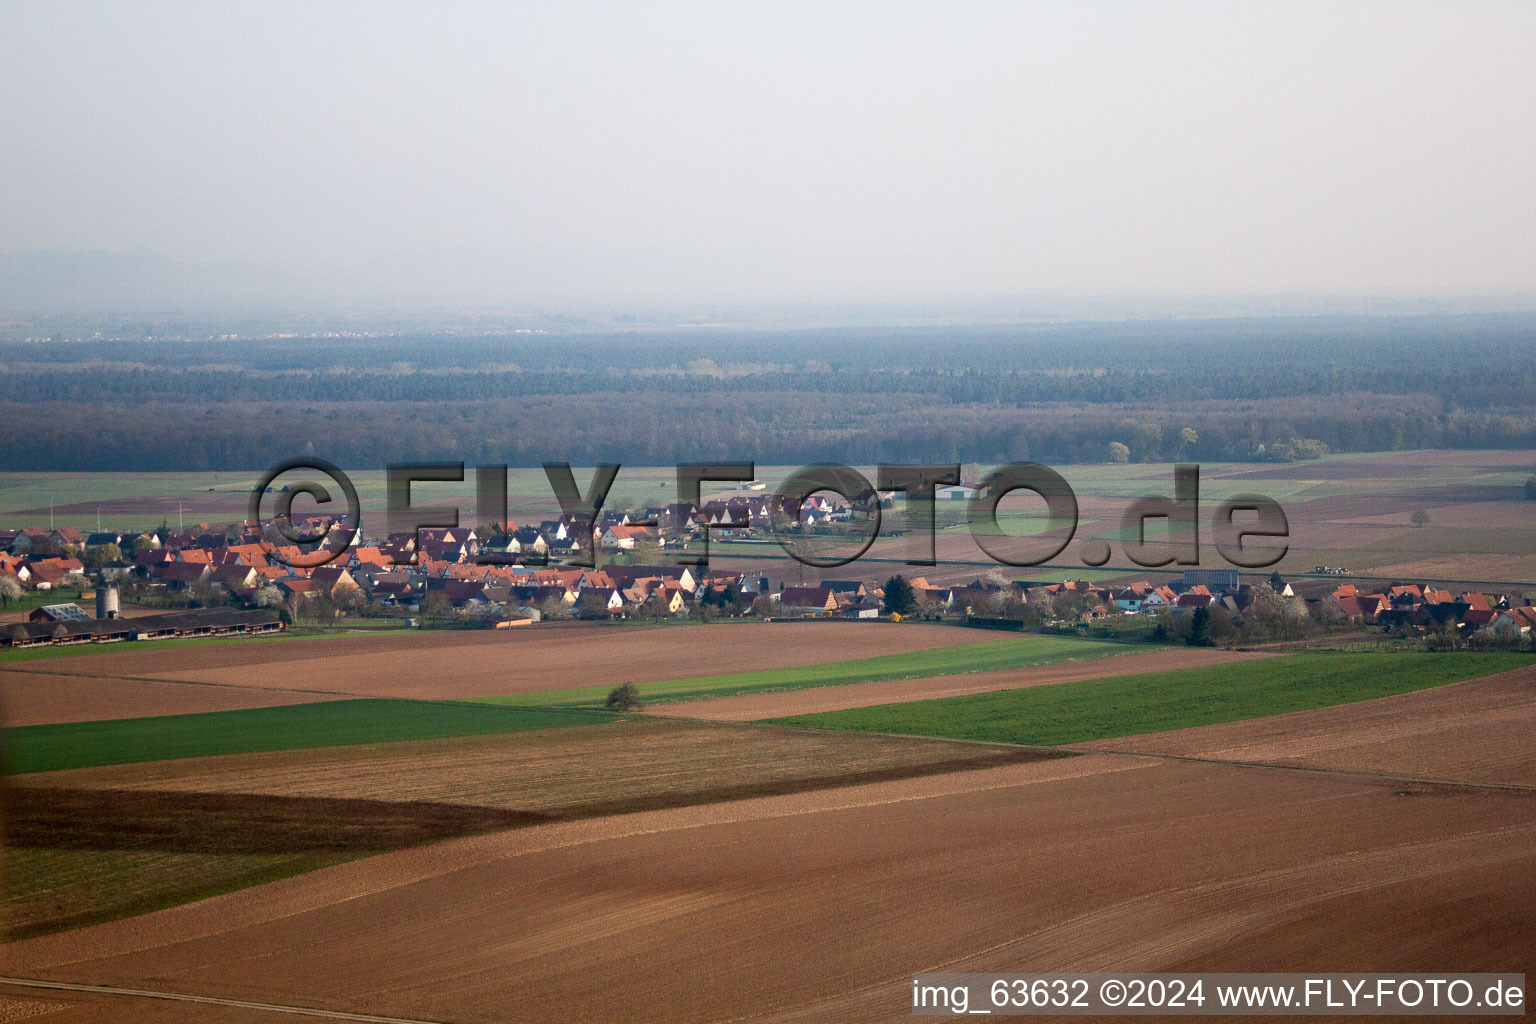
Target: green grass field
<point x="1130" y="705"/>
<point x="960" y="659"/>
<point x="42" y="748"/>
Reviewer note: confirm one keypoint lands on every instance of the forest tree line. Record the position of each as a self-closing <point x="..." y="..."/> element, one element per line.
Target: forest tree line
<point x="1207" y="390"/>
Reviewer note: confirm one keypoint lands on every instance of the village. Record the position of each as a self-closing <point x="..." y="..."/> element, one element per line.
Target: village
<point x="211" y="581"/>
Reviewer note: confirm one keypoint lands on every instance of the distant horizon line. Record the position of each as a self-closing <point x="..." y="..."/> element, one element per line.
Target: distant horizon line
<point x="147" y="283"/>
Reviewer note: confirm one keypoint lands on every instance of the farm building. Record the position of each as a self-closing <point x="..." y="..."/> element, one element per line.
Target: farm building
<point x="59" y="613"/>
<point x="202" y="622"/>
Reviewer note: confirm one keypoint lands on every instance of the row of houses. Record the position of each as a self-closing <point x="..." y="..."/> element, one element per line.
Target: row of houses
<point x="1423" y="605"/>
<point x="42" y="572"/>
<point x="489" y="576"/>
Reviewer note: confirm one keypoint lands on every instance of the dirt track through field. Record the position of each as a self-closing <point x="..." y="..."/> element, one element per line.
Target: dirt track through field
<point x="821" y="906"/>
<point x="77" y="1007"/>
<point x="1480" y="730"/>
<point x="120" y="993"/>
<point x="756" y="706"/>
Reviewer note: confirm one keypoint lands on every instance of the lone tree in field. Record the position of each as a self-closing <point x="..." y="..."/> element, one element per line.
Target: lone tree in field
<point x="624" y="697"/>
<point x="1118" y="453"/>
<point x="1419" y="518"/>
<point x="899" y="597"/>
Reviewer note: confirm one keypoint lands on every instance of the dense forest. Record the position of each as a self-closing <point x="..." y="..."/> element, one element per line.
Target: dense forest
<point x="1278" y="388"/>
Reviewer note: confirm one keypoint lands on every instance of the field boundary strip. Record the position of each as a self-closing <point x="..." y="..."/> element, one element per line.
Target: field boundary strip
<point x="185" y="997"/>
<point x="1118" y="706"/>
<point x="1006" y="654"/>
<point x="112" y="678"/>
<point x="1354" y="773"/>
<point x="1135" y="755"/>
<point x="353" y="722"/>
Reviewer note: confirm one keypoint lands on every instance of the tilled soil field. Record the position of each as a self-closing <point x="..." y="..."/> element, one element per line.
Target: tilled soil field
<point x="578" y="771"/>
<point x="821" y="906"/>
<point x="435" y="665"/>
<point x="42" y="695"/>
<point x="1481" y="730"/>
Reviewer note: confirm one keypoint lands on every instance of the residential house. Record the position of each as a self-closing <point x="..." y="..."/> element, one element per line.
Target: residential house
<point x="1130" y="599"/>
<point x="67" y="536"/>
<point x="334" y="578"/>
<point x="678" y="575"/>
<point x="807" y="601"/>
<point x="237" y="578"/>
<point x="50" y="573"/>
<point x="626" y="538"/>
<point x="181" y="575"/>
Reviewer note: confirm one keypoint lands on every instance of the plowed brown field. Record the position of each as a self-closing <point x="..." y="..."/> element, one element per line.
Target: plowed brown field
<point x="1461" y="567"/>
<point x="43" y="695"/>
<point x="93" y="1008"/>
<point x="483" y="663"/>
<point x="1481" y="730"/>
<point x="821" y="906"/>
<point x="582" y="770"/>
<point x="754" y="706"/>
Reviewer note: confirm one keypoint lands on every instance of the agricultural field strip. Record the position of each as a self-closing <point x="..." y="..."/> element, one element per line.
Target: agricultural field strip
<point x="558" y="771"/>
<point x="1122" y="912"/>
<point x="965" y="659"/>
<point x="184" y="997"/>
<point x="1145" y="755"/>
<point x="397" y="872"/>
<point x="474" y="663"/>
<point x="358" y="721"/>
<point x="34" y="699"/>
<point x="25" y="668"/>
<point x="1345" y="773"/>
<point x="1474" y="731"/>
<point x="119" y="824"/>
<point x="761" y="705"/>
<point x="1086" y="710"/>
<point x="1123" y="916"/>
<point x="315" y="890"/>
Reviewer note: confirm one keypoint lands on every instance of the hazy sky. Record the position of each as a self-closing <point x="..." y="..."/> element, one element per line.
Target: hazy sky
<point x="783" y="151"/>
